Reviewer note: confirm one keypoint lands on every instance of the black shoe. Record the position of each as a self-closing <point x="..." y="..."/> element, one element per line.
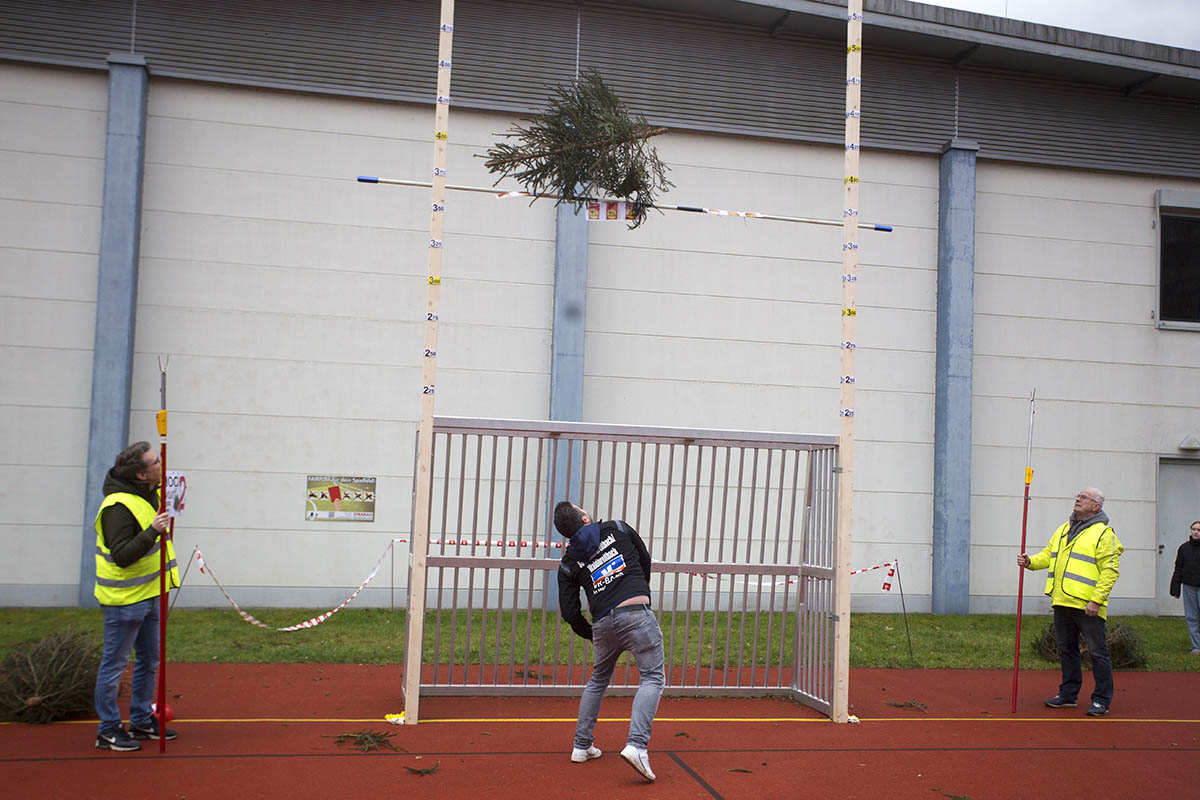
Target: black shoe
<point x="118" y="740"/>
<point x="1097" y="710"/>
<point x="1058" y="701"/>
<point x="150" y="731"/>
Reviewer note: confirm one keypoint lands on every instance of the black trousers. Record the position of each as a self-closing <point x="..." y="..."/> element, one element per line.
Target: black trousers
<point x="1068" y="624"/>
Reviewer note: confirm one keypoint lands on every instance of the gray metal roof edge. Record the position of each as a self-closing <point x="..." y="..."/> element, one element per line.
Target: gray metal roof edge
<point x="1007" y="33"/>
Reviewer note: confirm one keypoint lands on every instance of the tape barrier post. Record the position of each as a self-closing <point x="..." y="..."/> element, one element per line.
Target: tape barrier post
<point x="423" y="479"/>
<point x="846" y="380"/>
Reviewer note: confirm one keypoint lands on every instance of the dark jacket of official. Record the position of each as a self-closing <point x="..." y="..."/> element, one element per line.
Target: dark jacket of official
<point x="609" y="561"/>
<point x="124" y="537"/>
<point x="1187" y="566"/>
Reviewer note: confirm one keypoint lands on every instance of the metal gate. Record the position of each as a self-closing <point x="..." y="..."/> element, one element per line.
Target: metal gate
<point x="740" y="526"/>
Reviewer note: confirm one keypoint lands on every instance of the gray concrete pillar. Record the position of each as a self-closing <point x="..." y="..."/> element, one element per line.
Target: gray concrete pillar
<point x="566" y="357"/>
<point x="116" y="300"/>
<point x="953" y="380"/>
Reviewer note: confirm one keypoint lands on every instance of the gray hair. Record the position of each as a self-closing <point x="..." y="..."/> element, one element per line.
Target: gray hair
<point x="1097" y="494"/>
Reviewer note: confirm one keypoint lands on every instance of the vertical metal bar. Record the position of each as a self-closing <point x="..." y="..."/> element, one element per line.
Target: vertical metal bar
<point x="470" y="610"/>
<point x="712" y="667"/>
<point x="487" y="533"/>
<point x="625" y="490"/>
<point x="678" y="556"/>
<point x="553" y="447"/>
<point x="789" y="560"/>
<point x="762" y="550"/>
<point x="442" y="532"/>
<point x="503" y="553"/>
<point x="612" y="480"/>
<point x="462" y="490"/>
<point x="712" y="479"/>
<point x="437" y="625"/>
<point x="512" y="635"/>
<point x="666" y="543"/>
<point x="641" y="489"/>
<point x="774" y="560"/>
<point x="737" y="521"/>
<point x="653" y="511"/>
<point x="687" y="620"/>
<point x="749" y="546"/>
<point x="533" y="539"/>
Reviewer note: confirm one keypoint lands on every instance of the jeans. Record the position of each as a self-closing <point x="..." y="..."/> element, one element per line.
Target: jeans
<point x="1068" y="624"/>
<point x="1191" y="612"/>
<point x="636" y="631"/>
<point x="132" y="627"/>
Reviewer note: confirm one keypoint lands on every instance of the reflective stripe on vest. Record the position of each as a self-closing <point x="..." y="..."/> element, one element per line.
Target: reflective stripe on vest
<point x="122" y="586"/>
<point x="1080" y="574"/>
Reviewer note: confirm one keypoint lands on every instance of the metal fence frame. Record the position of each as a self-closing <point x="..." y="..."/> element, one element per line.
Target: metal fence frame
<point x="492" y="548"/>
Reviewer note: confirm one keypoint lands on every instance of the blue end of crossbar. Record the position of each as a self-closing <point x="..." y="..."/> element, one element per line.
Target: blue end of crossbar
<point x="887" y="228"/>
<point x="367" y="179"/>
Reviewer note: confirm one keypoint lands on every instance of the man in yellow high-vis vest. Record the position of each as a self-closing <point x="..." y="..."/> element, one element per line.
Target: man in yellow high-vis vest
<point x="1084" y="557"/>
<point x="129" y="532"/>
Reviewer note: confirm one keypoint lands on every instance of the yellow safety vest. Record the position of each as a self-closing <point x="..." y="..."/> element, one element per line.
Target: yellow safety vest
<point x="1073" y="566"/>
<point x="122" y="586"/>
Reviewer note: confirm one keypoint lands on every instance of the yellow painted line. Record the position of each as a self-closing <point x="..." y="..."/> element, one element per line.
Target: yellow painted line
<point x="494" y="720"/>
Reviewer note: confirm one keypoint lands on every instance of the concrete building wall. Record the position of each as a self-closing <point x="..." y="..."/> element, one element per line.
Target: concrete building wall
<point x="1065" y="296"/>
<point x="290" y="299"/>
<point x="52" y="128"/>
<point x="726" y="322"/>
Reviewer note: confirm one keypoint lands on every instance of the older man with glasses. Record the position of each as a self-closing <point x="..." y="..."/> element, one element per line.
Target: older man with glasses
<point x="1084" y="557"/>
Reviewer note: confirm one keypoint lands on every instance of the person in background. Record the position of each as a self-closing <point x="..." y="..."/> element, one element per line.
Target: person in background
<point x="1186" y="581"/>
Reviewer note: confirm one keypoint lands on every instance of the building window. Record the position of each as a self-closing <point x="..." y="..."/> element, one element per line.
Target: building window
<point x="1179" y="260"/>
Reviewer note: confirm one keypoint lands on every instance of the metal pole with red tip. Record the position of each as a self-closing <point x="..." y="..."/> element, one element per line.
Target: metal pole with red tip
<point x="160" y="708"/>
<point x="1021" y="576"/>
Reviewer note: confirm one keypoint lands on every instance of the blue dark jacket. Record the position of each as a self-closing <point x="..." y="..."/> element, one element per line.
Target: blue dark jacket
<point x="609" y="561"/>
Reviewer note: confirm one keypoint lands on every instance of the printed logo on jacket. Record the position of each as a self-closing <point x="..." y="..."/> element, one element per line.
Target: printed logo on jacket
<point x="607" y="567"/>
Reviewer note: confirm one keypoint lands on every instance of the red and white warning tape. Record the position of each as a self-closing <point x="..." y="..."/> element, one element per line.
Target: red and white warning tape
<point x="311" y="623"/>
<point x="317" y="620"/>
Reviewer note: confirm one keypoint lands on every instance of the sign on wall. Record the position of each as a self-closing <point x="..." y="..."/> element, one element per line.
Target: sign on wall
<point x="340" y="498"/>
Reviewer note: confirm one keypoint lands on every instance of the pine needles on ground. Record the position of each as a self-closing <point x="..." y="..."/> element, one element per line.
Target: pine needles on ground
<point x="586" y="143"/>
<point x="912" y="704"/>
<point x="49" y="679"/>
<point x="1125" y="647"/>
<point x="366" y="740"/>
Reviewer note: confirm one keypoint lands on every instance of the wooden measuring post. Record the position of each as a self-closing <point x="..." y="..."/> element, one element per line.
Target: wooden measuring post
<point x="420" y="533"/>
<point x="845" y="483"/>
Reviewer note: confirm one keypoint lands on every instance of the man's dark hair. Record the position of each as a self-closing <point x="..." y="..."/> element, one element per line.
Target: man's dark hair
<point x="567" y="519"/>
<point x="129" y="461"/>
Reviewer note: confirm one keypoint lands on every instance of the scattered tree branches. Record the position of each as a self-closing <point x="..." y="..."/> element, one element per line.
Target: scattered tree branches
<point x="427" y="771"/>
<point x="586" y="145"/>
<point x="366" y="740"/>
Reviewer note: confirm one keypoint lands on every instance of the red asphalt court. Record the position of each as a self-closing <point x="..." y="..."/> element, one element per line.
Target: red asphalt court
<point x="268" y="731"/>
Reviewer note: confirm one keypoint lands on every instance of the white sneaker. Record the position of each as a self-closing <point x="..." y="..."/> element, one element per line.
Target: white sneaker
<point x="579" y="755"/>
<point x="639" y="760"/>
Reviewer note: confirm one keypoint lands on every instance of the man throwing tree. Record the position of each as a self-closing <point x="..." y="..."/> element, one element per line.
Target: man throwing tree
<point x="609" y="561"/>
